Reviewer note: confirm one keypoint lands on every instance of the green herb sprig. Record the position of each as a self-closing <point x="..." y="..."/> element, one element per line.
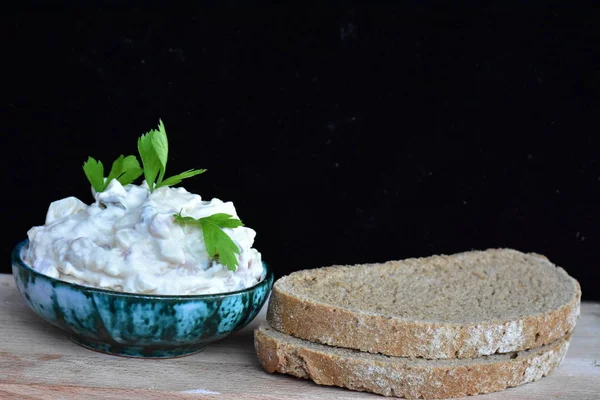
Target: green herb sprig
<point x="218" y="243"/>
<point x="154" y="152"/>
<point x="153" y="148"/>
<point x="124" y="169"/>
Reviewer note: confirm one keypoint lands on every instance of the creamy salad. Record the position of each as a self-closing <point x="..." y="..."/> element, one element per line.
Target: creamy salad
<point x="129" y="241"/>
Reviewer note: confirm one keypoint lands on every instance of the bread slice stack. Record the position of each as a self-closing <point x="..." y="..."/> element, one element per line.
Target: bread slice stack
<point x="436" y="327"/>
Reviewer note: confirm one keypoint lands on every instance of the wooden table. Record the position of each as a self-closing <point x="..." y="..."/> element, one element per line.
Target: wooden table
<point x="38" y="361"/>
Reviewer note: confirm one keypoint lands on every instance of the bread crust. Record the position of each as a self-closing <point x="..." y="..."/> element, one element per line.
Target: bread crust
<point x="403" y="377"/>
<point x="336" y="326"/>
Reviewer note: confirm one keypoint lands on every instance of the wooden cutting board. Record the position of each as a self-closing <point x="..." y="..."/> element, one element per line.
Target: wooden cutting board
<point x="38" y="361"/>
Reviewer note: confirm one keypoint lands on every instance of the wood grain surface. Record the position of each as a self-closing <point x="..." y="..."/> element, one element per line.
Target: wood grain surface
<point x="38" y="361"/>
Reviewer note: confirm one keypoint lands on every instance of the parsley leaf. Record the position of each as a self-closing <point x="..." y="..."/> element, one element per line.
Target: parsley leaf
<point x="150" y="159"/>
<point x="161" y="148"/>
<point x="124" y="169"/>
<point x="175" y="179"/>
<point x="153" y="147"/>
<point x="94" y="170"/>
<point x="217" y="242"/>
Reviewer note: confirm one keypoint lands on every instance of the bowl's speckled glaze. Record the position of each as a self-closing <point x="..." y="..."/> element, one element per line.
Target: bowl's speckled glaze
<point x="137" y="325"/>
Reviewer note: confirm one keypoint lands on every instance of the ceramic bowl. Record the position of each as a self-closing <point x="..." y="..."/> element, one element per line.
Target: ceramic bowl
<point x="137" y="325"/>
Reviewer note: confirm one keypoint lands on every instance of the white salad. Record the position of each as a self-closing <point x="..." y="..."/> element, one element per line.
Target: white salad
<point x="149" y="238"/>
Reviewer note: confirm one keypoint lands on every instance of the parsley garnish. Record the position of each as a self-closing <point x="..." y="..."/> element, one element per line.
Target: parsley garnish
<point x="124" y="169"/>
<point x="154" y="151"/>
<point x="217" y="242"/>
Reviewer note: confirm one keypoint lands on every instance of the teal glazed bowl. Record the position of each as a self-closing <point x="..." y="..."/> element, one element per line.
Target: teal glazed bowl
<point x="137" y="325"/>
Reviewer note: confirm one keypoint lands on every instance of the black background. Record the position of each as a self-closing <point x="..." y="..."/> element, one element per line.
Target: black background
<point x="342" y="136"/>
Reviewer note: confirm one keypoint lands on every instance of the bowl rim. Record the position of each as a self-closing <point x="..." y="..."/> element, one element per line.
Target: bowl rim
<point x="18" y="259"/>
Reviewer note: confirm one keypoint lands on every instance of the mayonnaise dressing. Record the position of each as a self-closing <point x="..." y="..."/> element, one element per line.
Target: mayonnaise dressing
<point x="128" y="241"/>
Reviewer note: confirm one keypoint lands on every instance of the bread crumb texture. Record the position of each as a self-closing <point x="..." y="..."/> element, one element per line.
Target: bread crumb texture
<point x="400" y="376"/>
<point x="464" y="305"/>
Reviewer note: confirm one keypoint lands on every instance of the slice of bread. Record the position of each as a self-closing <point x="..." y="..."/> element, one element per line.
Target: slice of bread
<point x="458" y="306"/>
<point x="400" y="376"/>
